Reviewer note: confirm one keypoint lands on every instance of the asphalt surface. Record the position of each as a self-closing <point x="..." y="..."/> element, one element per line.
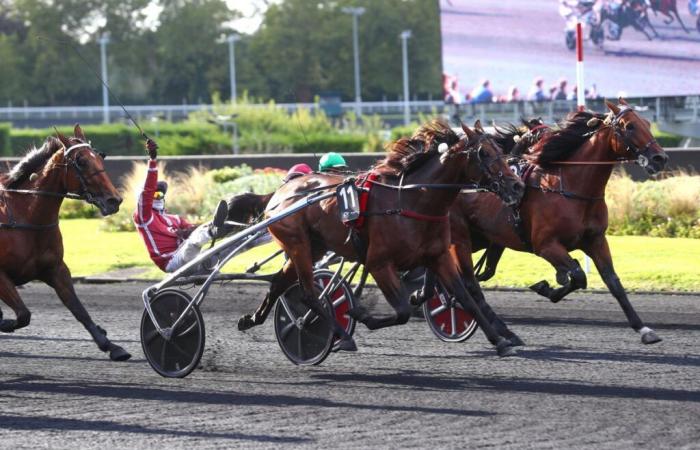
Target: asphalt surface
<point x="584" y="381"/>
<point x="510" y="42"/>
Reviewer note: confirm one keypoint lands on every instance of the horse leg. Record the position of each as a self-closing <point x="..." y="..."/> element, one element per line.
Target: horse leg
<point x="569" y="273"/>
<point x="462" y="254"/>
<point x="447" y="272"/>
<point x="59" y="279"/>
<point x="301" y="259"/>
<point x="675" y="12"/>
<point x="417" y="298"/>
<point x="599" y="251"/>
<point x="493" y="256"/>
<point x="9" y="294"/>
<point x="280" y="283"/>
<point x="395" y="293"/>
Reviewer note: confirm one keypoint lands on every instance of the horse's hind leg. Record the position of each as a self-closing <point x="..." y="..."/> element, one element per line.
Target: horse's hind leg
<point x="395" y="294"/>
<point x="59" y="279"/>
<point x="280" y="282"/>
<point x="8" y="293"/>
<point x="675" y="12"/>
<point x="599" y="251"/>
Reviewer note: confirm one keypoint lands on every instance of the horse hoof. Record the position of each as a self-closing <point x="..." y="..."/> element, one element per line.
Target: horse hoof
<point x="8" y="325"/>
<point x="515" y="340"/>
<point x="505" y="348"/>
<point x="119" y="354"/>
<point x="416" y="299"/>
<point x="541" y="288"/>
<point x="358" y="313"/>
<point x="347" y="344"/>
<point x="650" y="338"/>
<point x="245" y="323"/>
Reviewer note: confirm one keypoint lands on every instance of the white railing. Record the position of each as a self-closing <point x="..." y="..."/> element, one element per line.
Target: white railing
<point x="672" y="109"/>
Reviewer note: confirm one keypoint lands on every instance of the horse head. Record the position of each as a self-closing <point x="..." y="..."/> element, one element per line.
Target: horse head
<point x="632" y="137"/>
<point x="85" y="173"/>
<point x="486" y="164"/>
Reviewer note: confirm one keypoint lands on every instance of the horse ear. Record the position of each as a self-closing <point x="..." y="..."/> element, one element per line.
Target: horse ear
<point x="612" y="107"/>
<point x="622" y="101"/>
<point x="78" y="132"/>
<point x="64" y="140"/>
<point x="468" y="131"/>
<point x="477" y="126"/>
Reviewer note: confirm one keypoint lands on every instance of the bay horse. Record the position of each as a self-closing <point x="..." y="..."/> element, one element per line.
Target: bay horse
<point x="668" y="7"/>
<point x="406" y="225"/>
<point x="564" y="206"/>
<point x="31" y="246"/>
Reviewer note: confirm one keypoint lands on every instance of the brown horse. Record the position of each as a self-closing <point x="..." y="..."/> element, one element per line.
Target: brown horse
<point x="564" y="207"/>
<point x="31" y="247"/>
<point x="668" y="7"/>
<point x="404" y="228"/>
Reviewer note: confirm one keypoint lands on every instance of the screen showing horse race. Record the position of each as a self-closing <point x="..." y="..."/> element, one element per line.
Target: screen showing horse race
<point x="510" y="50"/>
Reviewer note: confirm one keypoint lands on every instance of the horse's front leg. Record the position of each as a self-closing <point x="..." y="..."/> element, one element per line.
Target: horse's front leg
<point x="446" y="271"/>
<point x="8" y="294"/>
<point x="569" y="272"/>
<point x="599" y="251"/>
<point x="60" y="280"/>
<point x="395" y="294"/>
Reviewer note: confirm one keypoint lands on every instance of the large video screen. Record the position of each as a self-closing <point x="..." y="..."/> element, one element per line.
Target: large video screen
<point x="506" y="50"/>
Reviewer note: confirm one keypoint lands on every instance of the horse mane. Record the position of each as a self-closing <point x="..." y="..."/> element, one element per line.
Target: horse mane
<point x="407" y="154"/>
<point x="505" y="136"/>
<point x="573" y="131"/>
<point x="30" y="163"/>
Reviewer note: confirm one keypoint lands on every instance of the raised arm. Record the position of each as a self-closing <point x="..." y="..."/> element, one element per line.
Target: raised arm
<point x="145" y="201"/>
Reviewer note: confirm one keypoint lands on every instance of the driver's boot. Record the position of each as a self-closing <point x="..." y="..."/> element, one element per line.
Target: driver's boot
<point x="216" y="228"/>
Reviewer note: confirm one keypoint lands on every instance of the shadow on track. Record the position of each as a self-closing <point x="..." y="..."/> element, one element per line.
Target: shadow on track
<point x="47" y="423"/>
<point x="134" y="392"/>
<point x="464" y="385"/>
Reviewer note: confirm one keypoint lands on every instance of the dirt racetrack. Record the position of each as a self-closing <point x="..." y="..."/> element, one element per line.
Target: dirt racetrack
<point x="584" y="381"/>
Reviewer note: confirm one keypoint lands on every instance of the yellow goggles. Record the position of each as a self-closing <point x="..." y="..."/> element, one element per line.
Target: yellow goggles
<point x="158" y="195"/>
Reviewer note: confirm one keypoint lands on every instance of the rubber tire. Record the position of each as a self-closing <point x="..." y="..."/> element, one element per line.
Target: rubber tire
<point x="321" y="333"/>
<point x="441" y="296"/>
<point x="340" y="315"/>
<point x="570" y="40"/>
<point x="155" y="353"/>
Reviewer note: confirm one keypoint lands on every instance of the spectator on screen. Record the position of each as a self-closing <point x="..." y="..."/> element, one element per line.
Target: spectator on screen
<point x="482" y="93"/>
<point x="537" y="93"/>
<point x="560" y="90"/>
<point x="513" y="94"/>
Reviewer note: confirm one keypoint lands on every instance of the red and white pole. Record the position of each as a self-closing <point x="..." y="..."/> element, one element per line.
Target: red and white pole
<point x="580" y="88"/>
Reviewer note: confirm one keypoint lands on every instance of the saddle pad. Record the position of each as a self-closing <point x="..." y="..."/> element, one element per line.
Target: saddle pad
<point x="365" y="185"/>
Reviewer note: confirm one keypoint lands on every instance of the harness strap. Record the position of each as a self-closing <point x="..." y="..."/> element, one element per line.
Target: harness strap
<point x="409" y="214"/>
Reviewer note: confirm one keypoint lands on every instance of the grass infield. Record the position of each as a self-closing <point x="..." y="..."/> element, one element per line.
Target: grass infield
<point x="642" y="263"/>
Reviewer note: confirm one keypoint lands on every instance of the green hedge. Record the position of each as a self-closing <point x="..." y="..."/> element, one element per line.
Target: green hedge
<point x="184" y="139"/>
<point x="5" y="139"/>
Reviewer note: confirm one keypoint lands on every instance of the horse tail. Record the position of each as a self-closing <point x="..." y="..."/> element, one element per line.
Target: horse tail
<point x="248" y="207"/>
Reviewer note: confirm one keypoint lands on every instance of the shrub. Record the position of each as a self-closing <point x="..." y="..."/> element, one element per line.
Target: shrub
<point x="5" y="146"/>
<point x="665" y="208"/>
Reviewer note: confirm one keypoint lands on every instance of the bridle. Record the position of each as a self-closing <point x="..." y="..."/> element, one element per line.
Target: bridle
<point x="82" y="194"/>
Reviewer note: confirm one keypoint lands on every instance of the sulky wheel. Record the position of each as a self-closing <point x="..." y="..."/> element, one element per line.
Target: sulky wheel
<point x="341" y="298"/>
<point x="179" y="355"/>
<point x="447" y="318"/>
<point x="305" y="338"/>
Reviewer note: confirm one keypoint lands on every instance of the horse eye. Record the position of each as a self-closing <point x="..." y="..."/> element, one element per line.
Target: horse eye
<point x="482" y="152"/>
<point x="80" y="162"/>
<point x="629" y="127"/>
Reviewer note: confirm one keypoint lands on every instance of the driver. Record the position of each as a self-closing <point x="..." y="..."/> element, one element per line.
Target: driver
<point x="170" y="239"/>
